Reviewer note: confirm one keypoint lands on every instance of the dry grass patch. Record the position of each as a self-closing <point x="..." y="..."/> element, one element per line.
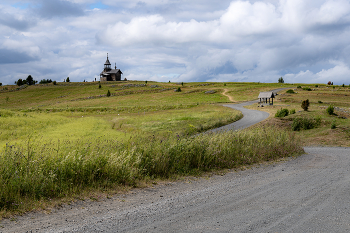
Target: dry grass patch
<point x="320" y="99"/>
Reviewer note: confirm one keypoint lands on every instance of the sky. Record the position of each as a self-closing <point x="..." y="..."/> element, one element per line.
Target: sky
<point x="303" y="41"/>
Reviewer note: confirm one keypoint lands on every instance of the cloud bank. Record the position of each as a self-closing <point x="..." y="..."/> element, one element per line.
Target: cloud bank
<point x="303" y="41"/>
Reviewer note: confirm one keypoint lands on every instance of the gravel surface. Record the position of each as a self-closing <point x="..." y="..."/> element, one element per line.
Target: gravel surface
<point x="306" y="194"/>
<point x="250" y="117"/>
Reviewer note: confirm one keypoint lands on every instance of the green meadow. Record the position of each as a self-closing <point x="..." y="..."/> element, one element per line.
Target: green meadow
<point x="64" y="140"/>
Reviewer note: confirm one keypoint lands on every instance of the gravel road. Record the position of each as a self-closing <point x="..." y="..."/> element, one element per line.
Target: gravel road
<point x="250" y="117"/>
<point x="306" y="194"/>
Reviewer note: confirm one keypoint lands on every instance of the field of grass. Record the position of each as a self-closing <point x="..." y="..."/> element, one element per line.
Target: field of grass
<point x="320" y="98"/>
<point x="63" y="140"/>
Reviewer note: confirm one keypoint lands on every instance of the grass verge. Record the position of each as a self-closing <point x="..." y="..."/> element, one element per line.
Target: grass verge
<point x="41" y="172"/>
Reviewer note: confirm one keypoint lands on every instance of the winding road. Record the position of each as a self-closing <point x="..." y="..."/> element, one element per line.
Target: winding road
<point x="306" y="194"/>
<point x="250" y="117"/>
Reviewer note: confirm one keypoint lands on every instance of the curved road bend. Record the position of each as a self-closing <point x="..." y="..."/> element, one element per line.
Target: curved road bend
<point x="250" y="117"/>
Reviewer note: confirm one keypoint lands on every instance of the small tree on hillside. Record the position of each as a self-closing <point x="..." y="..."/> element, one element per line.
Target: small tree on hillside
<point x="108" y="93"/>
<point x="67" y="80"/>
<point x="280" y="80"/>
<point x="0" y="84"/>
<point x="305" y="104"/>
<point x="30" y="80"/>
<point x="19" y="82"/>
<point x="329" y="83"/>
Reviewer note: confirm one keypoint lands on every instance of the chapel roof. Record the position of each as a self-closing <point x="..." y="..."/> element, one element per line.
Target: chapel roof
<point x="107" y="61"/>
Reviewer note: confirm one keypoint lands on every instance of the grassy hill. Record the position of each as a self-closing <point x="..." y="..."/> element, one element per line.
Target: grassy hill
<point x="79" y="110"/>
<point x="60" y="142"/>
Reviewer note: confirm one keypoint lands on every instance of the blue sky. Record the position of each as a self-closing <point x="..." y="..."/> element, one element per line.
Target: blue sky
<point x="304" y="41"/>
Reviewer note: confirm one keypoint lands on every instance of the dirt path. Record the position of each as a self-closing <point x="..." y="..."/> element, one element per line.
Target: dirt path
<point x="229" y="97"/>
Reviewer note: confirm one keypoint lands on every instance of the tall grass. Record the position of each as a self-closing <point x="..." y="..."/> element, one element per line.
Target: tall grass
<point x="56" y="169"/>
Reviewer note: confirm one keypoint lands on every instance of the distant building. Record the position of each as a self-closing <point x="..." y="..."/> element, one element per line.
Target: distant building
<point x="266" y="96"/>
<point x="109" y="74"/>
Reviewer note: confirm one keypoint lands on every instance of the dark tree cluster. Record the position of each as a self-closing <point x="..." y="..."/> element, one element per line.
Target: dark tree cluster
<point x="28" y="81"/>
<point x="45" y="81"/>
<point x="330" y="83"/>
<point x="280" y="80"/>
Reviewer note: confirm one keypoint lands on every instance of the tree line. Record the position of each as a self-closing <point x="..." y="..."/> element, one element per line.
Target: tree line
<point x="30" y="81"/>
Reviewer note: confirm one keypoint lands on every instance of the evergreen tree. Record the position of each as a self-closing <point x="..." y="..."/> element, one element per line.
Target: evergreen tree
<point x="30" y="80"/>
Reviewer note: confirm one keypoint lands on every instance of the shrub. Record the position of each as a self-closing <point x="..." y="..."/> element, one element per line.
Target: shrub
<point x="54" y="83"/>
<point x="108" y="93"/>
<point x="0" y="84"/>
<point x="225" y="84"/>
<point x="343" y="85"/>
<point x="305" y="123"/>
<point x="290" y="91"/>
<point x="67" y="80"/>
<point x="330" y="110"/>
<point x="299" y="86"/>
<point x="316" y="85"/>
<point x="292" y="111"/>
<point x="146" y="81"/>
<point x="282" y="113"/>
<point x="305" y="104"/>
<point x="178" y="89"/>
<point x="182" y="83"/>
<point x="99" y="86"/>
<point x="320" y="102"/>
<point x="280" y="80"/>
<point x="333" y="125"/>
<point x="306" y="88"/>
<point x="329" y="83"/>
